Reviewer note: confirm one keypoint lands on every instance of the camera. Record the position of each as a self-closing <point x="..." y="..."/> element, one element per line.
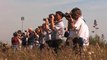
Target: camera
<point x="50" y="15"/>
<point x="50" y="18"/>
<point x="25" y="30"/>
<point x="67" y="15"/>
<point x="44" y="19"/>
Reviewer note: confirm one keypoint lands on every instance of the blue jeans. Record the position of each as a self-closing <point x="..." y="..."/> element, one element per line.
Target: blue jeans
<point x="78" y="41"/>
<point x="15" y="47"/>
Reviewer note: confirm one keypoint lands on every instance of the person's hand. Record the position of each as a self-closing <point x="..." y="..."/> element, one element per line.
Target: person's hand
<point x="52" y="22"/>
<point x="52" y="17"/>
<point x="68" y="16"/>
<point x="47" y="21"/>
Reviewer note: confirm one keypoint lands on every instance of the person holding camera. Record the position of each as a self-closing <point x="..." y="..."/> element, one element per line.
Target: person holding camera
<point x="80" y="27"/>
<point x="48" y="31"/>
<point x="69" y="32"/>
<point x="57" y="27"/>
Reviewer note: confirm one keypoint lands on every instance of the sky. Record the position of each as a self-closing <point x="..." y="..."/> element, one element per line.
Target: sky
<point x="34" y="11"/>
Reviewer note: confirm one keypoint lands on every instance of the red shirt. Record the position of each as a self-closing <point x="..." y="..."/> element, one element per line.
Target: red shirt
<point x="15" y="41"/>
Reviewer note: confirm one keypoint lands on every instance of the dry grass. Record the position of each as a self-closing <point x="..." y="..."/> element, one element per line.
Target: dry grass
<point x="93" y="52"/>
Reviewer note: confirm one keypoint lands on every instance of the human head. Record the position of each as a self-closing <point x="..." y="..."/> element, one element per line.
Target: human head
<point x="43" y="26"/>
<point x="67" y="16"/>
<point x="23" y="34"/>
<point x="76" y="13"/>
<point x="30" y="30"/>
<point x="50" y="17"/>
<point x="19" y="32"/>
<point x="15" y="34"/>
<point x="37" y="30"/>
<point x="59" y="15"/>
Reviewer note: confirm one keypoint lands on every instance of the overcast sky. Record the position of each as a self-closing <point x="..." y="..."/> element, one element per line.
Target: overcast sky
<point x="34" y="11"/>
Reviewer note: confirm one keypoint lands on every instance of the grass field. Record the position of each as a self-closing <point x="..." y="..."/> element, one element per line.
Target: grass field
<point x="96" y="51"/>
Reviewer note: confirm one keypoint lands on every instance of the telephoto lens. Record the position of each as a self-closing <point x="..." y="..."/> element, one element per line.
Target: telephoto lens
<point x="44" y="19"/>
<point x="50" y="17"/>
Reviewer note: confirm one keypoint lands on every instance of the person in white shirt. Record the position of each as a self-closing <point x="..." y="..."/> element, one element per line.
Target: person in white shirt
<point x="57" y="30"/>
<point x="80" y="27"/>
<point x="71" y="32"/>
<point x="82" y="30"/>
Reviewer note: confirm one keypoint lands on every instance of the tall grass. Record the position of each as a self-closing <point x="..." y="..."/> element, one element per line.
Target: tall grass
<point x="96" y="51"/>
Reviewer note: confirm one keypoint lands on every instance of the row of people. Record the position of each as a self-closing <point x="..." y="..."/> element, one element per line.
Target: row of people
<point x="51" y="32"/>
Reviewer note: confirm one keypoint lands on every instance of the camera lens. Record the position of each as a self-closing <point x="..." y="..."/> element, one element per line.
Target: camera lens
<point x="67" y="15"/>
<point x="44" y="19"/>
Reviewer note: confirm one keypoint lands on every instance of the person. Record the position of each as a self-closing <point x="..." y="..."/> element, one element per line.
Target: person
<point x="19" y="32"/>
<point x="37" y="31"/>
<point x="15" y="41"/>
<point x="69" y="32"/>
<point x="48" y="31"/>
<point x="42" y="35"/>
<point x="24" y="41"/>
<point x="31" y="38"/>
<point x="57" y="30"/>
<point x="81" y="29"/>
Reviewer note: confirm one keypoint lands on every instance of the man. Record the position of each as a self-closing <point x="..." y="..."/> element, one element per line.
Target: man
<point x="80" y="26"/>
<point x="43" y="36"/>
<point x="69" y="30"/>
<point x="15" y="41"/>
<point x="57" y="30"/>
<point x="31" y="38"/>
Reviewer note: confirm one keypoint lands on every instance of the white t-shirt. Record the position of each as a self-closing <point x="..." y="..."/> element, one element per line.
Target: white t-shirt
<point x="82" y="30"/>
<point x="59" y="28"/>
<point x="48" y="35"/>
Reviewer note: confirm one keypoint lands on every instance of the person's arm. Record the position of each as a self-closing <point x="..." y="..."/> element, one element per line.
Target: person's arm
<point x="36" y="35"/>
<point x="71" y="23"/>
<point x="47" y="24"/>
<point x="52" y="23"/>
<point x="46" y="21"/>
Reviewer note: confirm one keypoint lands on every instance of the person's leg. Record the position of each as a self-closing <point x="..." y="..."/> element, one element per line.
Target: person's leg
<point x="31" y="43"/>
<point x="15" y="47"/>
<point x="85" y="45"/>
<point x="58" y="45"/>
<point x="59" y="42"/>
<point x="54" y="45"/>
<point x="48" y="43"/>
<point x="75" y="41"/>
<point x="42" y="46"/>
<point x="67" y="42"/>
<point x="30" y="46"/>
<point x="80" y="42"/>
